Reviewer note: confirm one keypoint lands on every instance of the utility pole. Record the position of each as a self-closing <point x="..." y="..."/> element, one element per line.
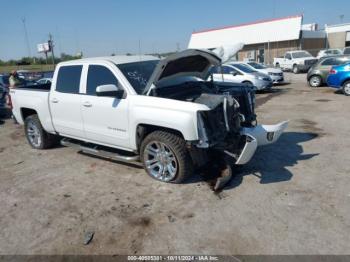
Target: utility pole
<point x="341" y="17"/>
<point x="51" y="45"/>
<point x="26" y="36"/>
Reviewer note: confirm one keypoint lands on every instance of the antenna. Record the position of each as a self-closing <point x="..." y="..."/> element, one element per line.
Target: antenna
<point x="26" y="36"/>
<point x="341" y="17"/>
<point x="140" y="49"/>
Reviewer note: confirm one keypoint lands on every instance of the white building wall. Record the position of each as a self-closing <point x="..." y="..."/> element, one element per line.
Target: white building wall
<point x="275" y="30"/>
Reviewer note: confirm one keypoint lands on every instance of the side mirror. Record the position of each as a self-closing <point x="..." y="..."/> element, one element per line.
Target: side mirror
<point x="233" y="73"/>
<point x="109" y="90"/>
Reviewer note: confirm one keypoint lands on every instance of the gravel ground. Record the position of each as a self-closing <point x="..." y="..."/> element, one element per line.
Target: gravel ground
<point x="292" y="198"/>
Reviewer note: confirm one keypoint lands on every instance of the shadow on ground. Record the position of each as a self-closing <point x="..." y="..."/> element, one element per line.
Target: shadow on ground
<point x="270" y="162"/>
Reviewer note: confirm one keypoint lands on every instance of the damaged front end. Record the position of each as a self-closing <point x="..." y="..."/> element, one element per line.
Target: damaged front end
<point x="225" y="129"/>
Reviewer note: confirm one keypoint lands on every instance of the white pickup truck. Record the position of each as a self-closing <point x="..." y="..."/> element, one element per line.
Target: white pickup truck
<point x="161" y="113"/>
<point x="296" y="61"/>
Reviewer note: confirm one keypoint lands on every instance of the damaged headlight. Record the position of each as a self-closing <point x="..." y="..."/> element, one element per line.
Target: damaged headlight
<point x="202" y="134"/>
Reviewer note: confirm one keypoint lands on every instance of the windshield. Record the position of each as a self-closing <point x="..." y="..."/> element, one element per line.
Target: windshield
<point x="138" y="73"/>
<point x="244" y="68"/>
<point x="301" y="54"/>
<point x="256" y="65"/>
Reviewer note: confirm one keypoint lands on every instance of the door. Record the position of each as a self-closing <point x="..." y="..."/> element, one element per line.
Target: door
<point x="287" y="61"/>
<point x="228" y="74"/>
<point x="105" y="118"/>
<point x="65" y="102"/>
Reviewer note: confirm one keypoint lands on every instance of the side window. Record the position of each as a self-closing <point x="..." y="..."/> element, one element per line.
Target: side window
<point x="99" y="75"/>
<point x="330" y="61"/>
<point x="213" y="70"/>
<point x="68" y="79"/>
<point x="289" y="56"/>
<point x="227" y="70"/>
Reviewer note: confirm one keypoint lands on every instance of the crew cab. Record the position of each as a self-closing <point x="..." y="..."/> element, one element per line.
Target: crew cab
<point x="297" y="61"/>
<point x="161" y="113"/>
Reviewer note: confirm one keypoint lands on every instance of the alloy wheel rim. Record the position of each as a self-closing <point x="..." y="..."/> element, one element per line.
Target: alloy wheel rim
<point x="347" y="88"/>
<point x="33" y="134"/>
<point x="315" y="81"/>
<point x="160" y="161"/>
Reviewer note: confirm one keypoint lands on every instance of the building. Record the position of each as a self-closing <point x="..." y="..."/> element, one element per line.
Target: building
<point x="338" y="35"/>
<point x="263" y="40"/>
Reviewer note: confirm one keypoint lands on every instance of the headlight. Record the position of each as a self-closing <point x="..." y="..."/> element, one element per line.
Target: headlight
<point x="301" y="62"/>
<point x="260" y="77"/>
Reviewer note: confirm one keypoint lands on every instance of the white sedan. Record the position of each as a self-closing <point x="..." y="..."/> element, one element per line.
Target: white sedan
<point x="276" y="74"/>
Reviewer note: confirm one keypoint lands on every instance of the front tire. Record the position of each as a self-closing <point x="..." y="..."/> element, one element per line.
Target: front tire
<point x="295" y="69"/>
<point x="315" y="81"/>
<point x="346" y="88"/>
<point x="165" y="157"/>
<point x="37" y="137"/>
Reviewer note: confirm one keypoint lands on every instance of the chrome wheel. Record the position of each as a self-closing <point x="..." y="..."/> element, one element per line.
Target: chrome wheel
<point x="33" y="134"/>
<point x="315" y="81"/>
<point x="160" y="161"/>
<point x="347" y="88"/>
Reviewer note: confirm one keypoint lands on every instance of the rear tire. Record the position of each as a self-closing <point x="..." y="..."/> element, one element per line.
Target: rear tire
<point x="295" y="69"/>
<point x="315" y="81"/>
<point x="346" y="88"/>
<point x="165" y="157"/>
<point x="36" y="136"/>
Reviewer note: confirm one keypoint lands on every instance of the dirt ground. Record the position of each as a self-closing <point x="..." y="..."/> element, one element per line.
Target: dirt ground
<point x="292" y="198"/>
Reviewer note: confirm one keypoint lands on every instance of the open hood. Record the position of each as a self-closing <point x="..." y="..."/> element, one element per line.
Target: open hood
<point x="190" y="62"/>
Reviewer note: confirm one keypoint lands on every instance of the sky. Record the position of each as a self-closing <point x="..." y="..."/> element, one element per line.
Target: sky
<point x="103" y="27"/>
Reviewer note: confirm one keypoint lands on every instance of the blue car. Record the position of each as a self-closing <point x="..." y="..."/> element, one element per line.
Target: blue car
<point x="339" y="77"/>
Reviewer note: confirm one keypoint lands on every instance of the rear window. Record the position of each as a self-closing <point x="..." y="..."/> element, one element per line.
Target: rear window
<point x="68" y="79"/>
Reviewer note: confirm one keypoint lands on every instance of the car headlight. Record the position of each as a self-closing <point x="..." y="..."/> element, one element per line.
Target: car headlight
<point x="260" y="77"/>
<point x="202" y="134"/>
<point x="301" y="62"/>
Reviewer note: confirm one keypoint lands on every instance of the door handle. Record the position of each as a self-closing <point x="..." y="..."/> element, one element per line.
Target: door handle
<point x="54" y="100"/>
<point x="87" y="104"/>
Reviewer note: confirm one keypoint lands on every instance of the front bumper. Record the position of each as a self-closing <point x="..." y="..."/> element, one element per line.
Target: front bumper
<point x="261" y="84"/>
<point x="277" y="79"/>
<point x="258" y="136"/>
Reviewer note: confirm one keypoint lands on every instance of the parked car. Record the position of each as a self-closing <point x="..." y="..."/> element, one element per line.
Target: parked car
<point x="44" y="81"/>
<point x="119" y="107"/>
<point x="329" y="52"/>
<point x="297" y="61"/>
<point x="4" y="84"/>
<point x="318" y="73"/>
<point x="346" y="51"/>
<point x="339" y="77"/>
<point x="238" y="72"/>
<point x="276" y="74"/>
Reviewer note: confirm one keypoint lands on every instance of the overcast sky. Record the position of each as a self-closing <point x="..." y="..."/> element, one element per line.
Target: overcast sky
<point x="104" y="27"/>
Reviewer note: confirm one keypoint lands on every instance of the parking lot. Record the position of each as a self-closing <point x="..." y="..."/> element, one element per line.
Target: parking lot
<point x="292" y="198"/>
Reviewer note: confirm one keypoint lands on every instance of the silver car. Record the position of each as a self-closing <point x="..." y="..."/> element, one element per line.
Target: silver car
<point x="237" y="72"/>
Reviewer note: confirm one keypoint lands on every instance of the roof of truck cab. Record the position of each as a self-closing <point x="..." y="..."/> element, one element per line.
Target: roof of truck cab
<point x="122" y="59"/>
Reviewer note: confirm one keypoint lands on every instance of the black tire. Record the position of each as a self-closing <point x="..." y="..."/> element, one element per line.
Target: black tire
<point x="295" y="69"/>
<point x="346" y="88"/>
<point x="46" y="140"/>
<point x="315" y="81"/>
<point x="178" y="146"/>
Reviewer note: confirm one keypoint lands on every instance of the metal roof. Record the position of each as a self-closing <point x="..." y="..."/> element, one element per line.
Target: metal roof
<point x="272" y="30"/>
<point x="120" y="59"/>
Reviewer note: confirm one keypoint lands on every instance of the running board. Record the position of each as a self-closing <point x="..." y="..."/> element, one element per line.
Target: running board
<point x="100" y="152"/>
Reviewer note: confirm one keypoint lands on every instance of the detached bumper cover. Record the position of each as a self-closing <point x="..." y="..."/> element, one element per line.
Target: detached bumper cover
<point x="258" y="136"/>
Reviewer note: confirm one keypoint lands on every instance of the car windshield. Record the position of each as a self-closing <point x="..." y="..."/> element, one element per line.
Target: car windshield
<point x="244" y="68"/>
<point x="138" y="73"/>
<point x="256" y="65"/>
<point x="347" y="51"/>
<point x="301" y="54"/>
